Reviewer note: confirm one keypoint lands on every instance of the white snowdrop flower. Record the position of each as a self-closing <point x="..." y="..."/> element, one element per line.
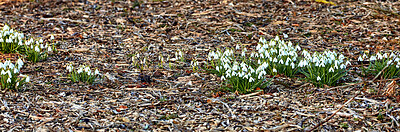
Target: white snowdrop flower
<point x="285" y="35"/>
<point x="243" y="53"/>
<point x="20" y="43"/>
<point x="379" y="56"/>
<point x="11" y="66"/>
<point x="96" y="72"/>
<point x="360" y="58"/>
<point x="292" y="64"/>
<point x="342" y="66"/>
<point x="237" y="47"/>
<point x="3" y="72"/>
<point x="80" y="70"/>
<point x="389" y="62"/>
<point x="37" y="49"/>
<point x="281" y="61"/>
<point x="223" y="78"/>
<point x="331" y="69"/>
<point x="41" y="46"/>
<point x="1" y="40"/>
<point x="6" y="27"/>
<point x="373" y="58"/>
<point x="20" y="63"/>
<point x="246" y="76"/>
<point x="258" y="46"/>
<point x="27" y="79"/>
<point x="69" y="68"/>
<point x="298" y="48"/>
<point x="9" y="80"/>
<point x="275" y="60"/>
<point x="40" y="40"/>
<point x="49" y="49"/>
<point x="322" y="64"/>
<point x="318" y="78"/>
<point x="87" y="69"/>
<point x="16" y="70"/>
<point x="274" y="70"/>
<point x="9" y="73"/>
<point x="391" y="55"/>
<point x="235" y="67"/>
<point x="51" y="37"/>
<point x="17" y="84"/>
<point x="262" y="55"/>
<point x="276" y="38"/>
<point x="251" y="79"/>
<point x="348" y="63"/>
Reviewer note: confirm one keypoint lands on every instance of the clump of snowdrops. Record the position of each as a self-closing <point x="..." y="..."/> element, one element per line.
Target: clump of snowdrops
<point x="10" y="41"/>
<point x="10" y="77"/>
<point x="280" y="57"/>
<point x="238" y="72"/>
<point x="379" y="61"/>
<point x="324" y="68"/>
<point x="14" y="42"/>
<point x="82" y="74"/>
<point x="36" y="51"/>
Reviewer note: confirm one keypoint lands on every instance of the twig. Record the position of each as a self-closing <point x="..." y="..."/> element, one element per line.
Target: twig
<point x="350" y="100"/>
<point x="248" y="95"/>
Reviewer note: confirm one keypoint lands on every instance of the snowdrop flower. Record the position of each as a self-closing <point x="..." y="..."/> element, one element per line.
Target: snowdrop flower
<point x="96" y="72"/>
<point x="348" y="63"/>
<point x="379" y="56"/>
<point x="285" y="35"/>
<point x="274" y="70"/>
<point x="11" y="66"/>
<point x="281" y="61"/>
<point x="331" y="69"/>
<point x="16" y="70"/>
<point x="37" y="49"/>
<point x="243" y="54"/>
<point x="17" y="84"/>
<point x="20" y="63"/>
<point x="27" y="79"/>
<point x="223" y="78"/>
<point x="275" y="60"/>
<point x="318" y="78"/>
<point x="251" y="79"/>
<point x="87" y="69"/>
<point x="342" y="66"/>
<point x="69" y="68"/>
<point x="51" y="37"/>
<point x="9" y="80"/>
<point x="237" y="47"/>
<point x="80" y="70"/>
<point x="3" y="72"/>
<point x="360" y="58"/>
<point x="41" y="46"/>
<point x="40" y="40"/>
<point x="389" y="62"/>
<point x="373" y="58"/>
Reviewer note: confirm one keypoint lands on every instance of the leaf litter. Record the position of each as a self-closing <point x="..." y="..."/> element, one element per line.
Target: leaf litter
<point x="105" y="35"/>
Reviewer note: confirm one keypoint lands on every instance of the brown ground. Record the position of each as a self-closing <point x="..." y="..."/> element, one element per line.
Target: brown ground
<point x="105" y="34"/>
